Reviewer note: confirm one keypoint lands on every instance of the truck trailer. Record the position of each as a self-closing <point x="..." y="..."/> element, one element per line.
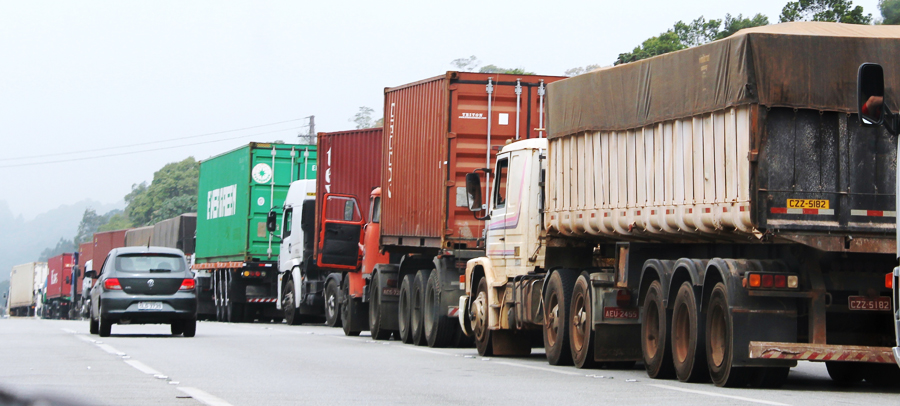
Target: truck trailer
<point x="322" y="229"/>
<point x="236" y="258"/>
<point x="717" y="213"/>
<point x="25" y="284"/>
<point x="57" y="297"/>
<point x="421" y="235"/>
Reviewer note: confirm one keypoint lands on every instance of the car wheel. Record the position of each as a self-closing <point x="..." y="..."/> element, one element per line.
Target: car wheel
<point x="95" y="326"/>
<point x="105" y="325"/>
<point x="177" y="327"/>
<point x="189" y="327"/>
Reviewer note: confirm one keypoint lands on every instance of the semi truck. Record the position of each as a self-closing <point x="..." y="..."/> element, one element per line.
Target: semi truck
<point x="323" y="219"/>
<point x="57" y="296"/>
<point x="717" y="213"/>
<point x="236" y="258"/>
<point x="25" y="284"/>
<point x="420" y="234"/>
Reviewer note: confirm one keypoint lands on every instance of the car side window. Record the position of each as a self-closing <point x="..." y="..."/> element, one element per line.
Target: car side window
<point x="106" y="265"/>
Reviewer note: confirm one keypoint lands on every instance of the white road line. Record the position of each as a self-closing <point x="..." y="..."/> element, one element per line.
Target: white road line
<point x="69" y="331"/>
<point x="556" y="371"/>
<point x="140" y="366"/>
<point x="424" y="350"/>
<point x="84" y="338"/>
<point x="204" y="397"/>
<point x="700" y="392"/>
<point x="109" y="349"/>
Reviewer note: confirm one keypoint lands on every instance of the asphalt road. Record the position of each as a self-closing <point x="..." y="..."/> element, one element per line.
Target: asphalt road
<point x="268" y="364"/>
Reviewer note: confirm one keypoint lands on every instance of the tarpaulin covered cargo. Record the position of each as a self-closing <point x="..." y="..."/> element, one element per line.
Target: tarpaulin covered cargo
<point x="137" y="237"/>
<point x="176" y="232"/>
<point x="810" y="65"/>
<point x="436" y="132"/>
<point x="746" y="138"/>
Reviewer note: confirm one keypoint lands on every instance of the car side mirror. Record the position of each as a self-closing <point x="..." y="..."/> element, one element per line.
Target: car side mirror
<point x="870" y="94"/>
<point x="271" y="221"/>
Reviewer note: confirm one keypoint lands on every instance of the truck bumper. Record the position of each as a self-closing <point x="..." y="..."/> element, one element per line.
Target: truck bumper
<point x="823" y="352"/>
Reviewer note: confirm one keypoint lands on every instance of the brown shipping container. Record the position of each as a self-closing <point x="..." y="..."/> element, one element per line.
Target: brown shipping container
<point x="349" y="164"/>
<point x="60" y="270"/>
<point x="436" y="132"/>
<point x="104" y="243"/>
<point x="85" y="254"/>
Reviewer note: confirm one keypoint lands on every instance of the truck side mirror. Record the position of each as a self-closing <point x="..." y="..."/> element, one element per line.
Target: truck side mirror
<point x="90" y="274"/>
<point x="473" y="192"/>
<point x="870" y="94"/>
<point x="271" y="221"/>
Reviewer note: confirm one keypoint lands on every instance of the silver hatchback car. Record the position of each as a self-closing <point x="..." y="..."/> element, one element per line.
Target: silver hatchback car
<point x="143" y="285"/>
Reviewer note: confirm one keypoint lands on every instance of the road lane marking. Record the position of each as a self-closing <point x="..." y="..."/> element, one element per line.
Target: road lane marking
<point x="69" y="331"/>
<point x="85" y="338"/>
<point x="556" y="371"/>
<point x="140" y="366"/>
<point x="204" y="397"/>
<point x="110" y="349"/>
<point x="700" y="392"/>
<point x="428" y="351"/>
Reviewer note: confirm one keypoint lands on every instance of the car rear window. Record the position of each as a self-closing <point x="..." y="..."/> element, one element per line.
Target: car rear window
<point x="150" y="263"/>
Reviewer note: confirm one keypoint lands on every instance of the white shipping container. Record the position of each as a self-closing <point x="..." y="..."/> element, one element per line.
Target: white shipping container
<point x="24" y="282"/>
<point x="672" y="180"/>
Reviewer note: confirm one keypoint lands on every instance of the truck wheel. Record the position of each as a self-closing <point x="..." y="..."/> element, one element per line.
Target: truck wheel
<point x="688" y="348"/>
<point x="557" y="303"/>
<point x="375" y="321"/>
<point x="478" y="313"/>
<point x="404" y="309"/>
<point x="287" y="304"/>
<point x="417" y="321"/>
<point x="95" y="326"/>
<point x="844" y="373"/>
<point x="332" y="304"/>
<point x="347" y="311"/>
<point x="654" y="335"/>
<point x="720" y="342"/>
<point x="882" y="375"/>
<point x="189" y="327"/>
<point x="438" y="327"/>
<point x="234" y="312"/>
<point x="177" y="327"/>
<point x="581" y="335"/>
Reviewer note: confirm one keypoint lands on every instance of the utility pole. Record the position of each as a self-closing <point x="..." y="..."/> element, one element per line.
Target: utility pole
<point x="310" y="137"/>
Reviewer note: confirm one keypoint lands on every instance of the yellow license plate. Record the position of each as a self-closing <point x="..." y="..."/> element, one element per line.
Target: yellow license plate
<point x="807" y="204"/>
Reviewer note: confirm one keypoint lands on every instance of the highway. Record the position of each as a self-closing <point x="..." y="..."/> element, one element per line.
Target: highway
<point x="277" y="364"/>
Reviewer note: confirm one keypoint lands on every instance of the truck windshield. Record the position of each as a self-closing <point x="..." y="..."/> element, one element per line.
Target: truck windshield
<point x="149" y="263"/>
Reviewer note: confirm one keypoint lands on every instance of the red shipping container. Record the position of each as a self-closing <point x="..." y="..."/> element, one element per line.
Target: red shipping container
<point x="60" y="270"/>
<point x="349" y="164"/>
<point x="436" y="132"/>
<point x="104" y="243"/>
<point x="85" y="254"/>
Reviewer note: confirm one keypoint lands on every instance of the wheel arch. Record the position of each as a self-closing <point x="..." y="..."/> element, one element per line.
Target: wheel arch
<point x="686" y="270"/>
<point x="655" y="270"/>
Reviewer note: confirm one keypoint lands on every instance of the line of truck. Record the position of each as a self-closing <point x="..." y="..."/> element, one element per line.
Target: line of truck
<point x="716" y="214"/>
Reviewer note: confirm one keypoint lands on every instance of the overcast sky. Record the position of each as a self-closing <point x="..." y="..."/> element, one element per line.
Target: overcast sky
<point x="78" y="77"/>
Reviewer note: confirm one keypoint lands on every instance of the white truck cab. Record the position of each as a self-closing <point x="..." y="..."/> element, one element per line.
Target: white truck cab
<point x="299" y="204"/>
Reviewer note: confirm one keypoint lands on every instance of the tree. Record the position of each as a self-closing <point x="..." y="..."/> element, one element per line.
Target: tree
<point x="116" y="220"/>
<point x="662" y="44"/>
<point x="890" y="11"/>
<point x="581" y="70"/>
<point x="732" y="25"/>
<point x="497" y="69"/>
<point x="839" y="11"/>
<point x="362" y="118"/>
<point x="172" y="180"/>
<point x="379" y="122"/>
<point x="62" y="246"/>
<point x="698" y="32"/>
<point x="90" y="222"/>
<point x="465" y="64"/>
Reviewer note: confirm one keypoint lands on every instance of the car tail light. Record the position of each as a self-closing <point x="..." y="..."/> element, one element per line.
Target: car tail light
<point x="771" y="281"/>
<point x="623" y="298"/>
<point x="112" y="284"/>
<point x="188" y="284"/>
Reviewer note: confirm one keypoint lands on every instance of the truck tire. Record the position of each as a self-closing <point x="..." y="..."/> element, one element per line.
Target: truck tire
<point x="557" y="304"/>
<point x="655" y="345"/>
<point x="234" y="312"/>
<point x="720" y="342"/>
<point x="287" y="305"/>
<point x="769" y="377"/>
<point x="416" y="319"/>
<point x="478" y="313"/>
<point x="189" y="327"/>
<point x="439" y="329"/>
<point x="332" y="304"/>
<point x="844" y="373"/>
<point x="404" y="309"/>
<point x="581" y="336"/>
<point x="348" y="311"/>
<point x="177" y="327"/>
<point x="375" y="320"/>
<point x="882" y="375"/>
<point x="688" y="347"/>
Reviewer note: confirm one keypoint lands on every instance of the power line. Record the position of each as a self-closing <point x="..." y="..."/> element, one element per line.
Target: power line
<point x="146" y="150"/>
<point x="146" y="143"/>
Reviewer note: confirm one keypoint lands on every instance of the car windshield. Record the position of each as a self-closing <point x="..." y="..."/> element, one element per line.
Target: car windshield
<point x="149" y="263"/>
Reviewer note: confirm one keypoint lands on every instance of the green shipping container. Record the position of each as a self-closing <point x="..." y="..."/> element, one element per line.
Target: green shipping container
<point x="236" y="191"/>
